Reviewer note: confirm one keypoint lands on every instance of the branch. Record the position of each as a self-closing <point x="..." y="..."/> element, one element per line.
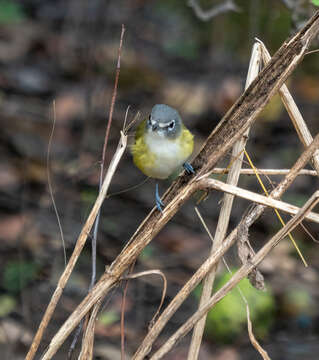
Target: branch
<point x="209" y="184"/>
<point x="265" y="171"/>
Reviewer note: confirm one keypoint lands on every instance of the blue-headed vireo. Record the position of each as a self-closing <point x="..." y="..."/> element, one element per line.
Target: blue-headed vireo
<point x="162" y="145"/>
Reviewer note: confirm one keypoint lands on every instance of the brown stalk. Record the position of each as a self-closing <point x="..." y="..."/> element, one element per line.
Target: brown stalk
<point x="209" y="184"/>
<point x="242" y="114"/>
<point x="265" y="171"/>
<point x="252" y="338"/>
<point x="88" y="335"/>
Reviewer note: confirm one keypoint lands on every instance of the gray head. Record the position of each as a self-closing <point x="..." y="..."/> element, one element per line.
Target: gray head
<point x="165" y="121"/>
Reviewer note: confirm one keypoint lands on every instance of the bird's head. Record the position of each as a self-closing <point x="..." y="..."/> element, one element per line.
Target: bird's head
<point x="164" y="121"/>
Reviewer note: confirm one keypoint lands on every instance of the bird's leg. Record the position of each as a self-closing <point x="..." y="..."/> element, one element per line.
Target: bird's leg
<point x="188" y="168"/>
<point x="159" y="202"/>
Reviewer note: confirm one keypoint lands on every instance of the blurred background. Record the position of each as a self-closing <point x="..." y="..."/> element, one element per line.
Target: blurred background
<point x="66" y="51"/>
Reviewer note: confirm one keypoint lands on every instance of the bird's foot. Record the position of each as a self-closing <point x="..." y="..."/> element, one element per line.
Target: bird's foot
<point x="188" y="168"/>
<point x="158" y="201"/>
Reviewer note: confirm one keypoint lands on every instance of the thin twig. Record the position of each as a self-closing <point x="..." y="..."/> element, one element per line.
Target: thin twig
<point x="114" y="94"/>
<point x="265" y="171"/>
<point x="205" y="15"/>
<point x="151" y="272"/>
<point x="252" y="338"/>
<point x="50" y="183"/>
<point x="312" y="52"/>
<point x="126" y="282"/>
<point x="106" y="139"/>
<point x="276" y="211"/>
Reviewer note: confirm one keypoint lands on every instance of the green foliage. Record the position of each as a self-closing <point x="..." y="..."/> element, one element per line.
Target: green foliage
<point x="108" y="318"/>
<point x="89" y="196"/>
<point x="7" y="305"/>
<point x="17" y="274"/>
<point x="227" y="320"/>
<point x="147" y="253"/>
<point x="10" y="12"/>
<point x="297" y="199"/>
<point x="315" y="2"/>
<point x="298" y="301"/>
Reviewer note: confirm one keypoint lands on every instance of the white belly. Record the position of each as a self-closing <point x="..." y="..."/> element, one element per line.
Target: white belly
<point x="169" y="155"/>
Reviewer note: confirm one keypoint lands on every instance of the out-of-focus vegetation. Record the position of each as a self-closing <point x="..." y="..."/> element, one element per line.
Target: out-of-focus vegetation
<point x="227" y="321"/>
<point x="11" y="12"/>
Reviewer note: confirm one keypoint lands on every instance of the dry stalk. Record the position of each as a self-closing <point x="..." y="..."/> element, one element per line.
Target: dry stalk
<point x="152" y="272"/>
<point x="293" y="111"/>
<point x="50" y="182"/>
<point x="224" y="215"/>
<point x="209" y="184"/>
<point x="252" y="338"/>
<point x="241" y="116"/>
<point x="88" y="335"/>
<point x="212" y="260"/>
<point x="238" y="276"/>
<point x="78" y="248"/>
<point x="265" y="171"/>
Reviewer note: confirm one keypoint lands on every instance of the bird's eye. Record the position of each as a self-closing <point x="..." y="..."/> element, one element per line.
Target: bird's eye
<point x="171" y="125"/>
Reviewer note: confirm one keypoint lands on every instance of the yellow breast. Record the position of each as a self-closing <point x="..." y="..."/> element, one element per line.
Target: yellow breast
<point x="158" y="157"/>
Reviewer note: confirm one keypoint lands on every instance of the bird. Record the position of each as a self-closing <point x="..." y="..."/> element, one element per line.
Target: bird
<point x="162" y="145"/>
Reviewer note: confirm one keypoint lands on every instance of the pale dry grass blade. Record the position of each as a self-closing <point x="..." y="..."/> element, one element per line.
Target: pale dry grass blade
<point x="152" y="272"/>
<point x="265" y="171"/>
<point x="206" y="184"/>
<point x="50" y="183"/>
<point x="238" y="276"/>
<point x="252" y="338"/>
<point x="225" y="211"/>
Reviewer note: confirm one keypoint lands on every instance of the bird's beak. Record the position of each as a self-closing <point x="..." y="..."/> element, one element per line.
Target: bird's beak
<point x="154" y="127"/>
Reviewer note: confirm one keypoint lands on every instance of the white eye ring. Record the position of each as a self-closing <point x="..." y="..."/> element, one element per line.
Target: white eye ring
<point x="171" y="125"/>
